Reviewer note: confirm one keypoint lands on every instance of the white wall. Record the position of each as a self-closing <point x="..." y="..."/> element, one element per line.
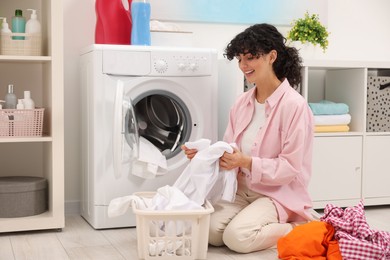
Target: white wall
<point x="79" y="22"/>
<point x="359" y="31"/>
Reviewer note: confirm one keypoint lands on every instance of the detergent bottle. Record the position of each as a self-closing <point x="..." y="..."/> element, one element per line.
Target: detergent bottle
<point x="113" y="22"/>
<point x="140" y="14"/>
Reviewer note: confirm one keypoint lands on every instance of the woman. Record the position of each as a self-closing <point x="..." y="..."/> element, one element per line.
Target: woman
<point x="273" y="128"/>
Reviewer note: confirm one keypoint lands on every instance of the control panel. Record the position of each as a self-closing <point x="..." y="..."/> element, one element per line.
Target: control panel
<point x="180" y="63"/>
<point x="155" y="61"/>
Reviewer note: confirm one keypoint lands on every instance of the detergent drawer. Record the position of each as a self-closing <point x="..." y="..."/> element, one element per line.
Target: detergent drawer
<point x="126" y="63"/>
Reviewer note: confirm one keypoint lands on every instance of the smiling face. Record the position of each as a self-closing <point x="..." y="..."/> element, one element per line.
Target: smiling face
<point x="256" y="68"/>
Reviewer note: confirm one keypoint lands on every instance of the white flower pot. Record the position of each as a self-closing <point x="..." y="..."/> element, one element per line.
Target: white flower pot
<point x="307" y="50"/>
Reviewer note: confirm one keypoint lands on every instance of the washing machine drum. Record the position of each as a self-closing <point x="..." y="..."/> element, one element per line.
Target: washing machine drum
<point x="163" y="122"/>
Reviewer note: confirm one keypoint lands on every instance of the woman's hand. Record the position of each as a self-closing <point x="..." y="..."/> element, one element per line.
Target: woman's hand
<point x="190" y="153"/>
<point x="229" y="161"/>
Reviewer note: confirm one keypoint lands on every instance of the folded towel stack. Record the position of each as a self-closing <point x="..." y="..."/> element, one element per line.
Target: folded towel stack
<point x="330" y="116"/>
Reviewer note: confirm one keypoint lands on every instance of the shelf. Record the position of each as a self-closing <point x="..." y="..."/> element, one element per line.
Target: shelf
<point x="26" y="139"/>
<point x="377" y="133"/>
<point x="39" y="59"/>
<point x="337" y="64"/>
<point x="356" y="159"/>
<point x="37" y="222"/>
<point x="333" y="134"/>
<point x="42" y="156"/>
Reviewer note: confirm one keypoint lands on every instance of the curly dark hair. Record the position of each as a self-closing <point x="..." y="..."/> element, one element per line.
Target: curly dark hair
<point x="261" y="39"/>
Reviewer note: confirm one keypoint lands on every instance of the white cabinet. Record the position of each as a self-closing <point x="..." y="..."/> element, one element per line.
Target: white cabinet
<point x="337" y="164"/>
<point x="43" y="76"/>
<point x="377" y="168"/>
<point x="353" y="165"/>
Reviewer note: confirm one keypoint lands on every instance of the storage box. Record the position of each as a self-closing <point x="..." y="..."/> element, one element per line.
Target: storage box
<point x="21" y="122"/>
<point x="172" y="234"/>
<point x="31" y="45"/>
<point x="22" y="196"/>
<point x="378" y="104"/>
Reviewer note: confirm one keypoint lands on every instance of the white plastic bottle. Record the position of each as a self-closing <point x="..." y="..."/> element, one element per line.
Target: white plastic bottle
<point x="33" y="25"/>
<point x="20" y="104"/>
<point x="10" y="98"/>
<point x="4" y="26"/>
<point x="27" y="101"/>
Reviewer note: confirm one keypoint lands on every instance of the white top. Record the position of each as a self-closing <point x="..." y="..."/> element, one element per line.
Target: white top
<point x="251" y="131"/>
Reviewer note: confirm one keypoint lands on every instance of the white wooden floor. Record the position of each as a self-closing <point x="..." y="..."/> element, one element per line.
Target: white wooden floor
<point x="79" y="241"/>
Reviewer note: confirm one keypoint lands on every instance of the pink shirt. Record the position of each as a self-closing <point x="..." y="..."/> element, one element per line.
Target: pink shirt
<point x="282" y="151"/>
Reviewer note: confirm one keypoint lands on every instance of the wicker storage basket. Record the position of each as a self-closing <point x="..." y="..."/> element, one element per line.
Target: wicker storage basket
<point x="29" y="46"/>
<point x="21" y="122"/>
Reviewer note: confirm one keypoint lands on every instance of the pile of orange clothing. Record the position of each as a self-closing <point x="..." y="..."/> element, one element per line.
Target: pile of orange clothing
<point x="330" y="116"/>
<point x="314" y="240"/>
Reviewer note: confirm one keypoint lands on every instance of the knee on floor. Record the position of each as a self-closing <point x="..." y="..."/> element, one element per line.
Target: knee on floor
<point x="235" y="241"/>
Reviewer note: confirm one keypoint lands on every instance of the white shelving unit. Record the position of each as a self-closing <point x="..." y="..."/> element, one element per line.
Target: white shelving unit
<point x="43" y="76"/>
<point x="354" y="165"/>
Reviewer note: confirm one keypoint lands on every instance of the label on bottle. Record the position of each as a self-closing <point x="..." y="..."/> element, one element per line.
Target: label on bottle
<point x="18" y="26"/>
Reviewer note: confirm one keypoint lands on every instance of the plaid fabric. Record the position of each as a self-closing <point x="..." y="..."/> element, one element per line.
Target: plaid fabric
<point x="356" y="240"/>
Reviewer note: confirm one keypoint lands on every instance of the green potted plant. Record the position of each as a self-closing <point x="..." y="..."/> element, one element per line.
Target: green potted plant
<point x="309" y="30"/>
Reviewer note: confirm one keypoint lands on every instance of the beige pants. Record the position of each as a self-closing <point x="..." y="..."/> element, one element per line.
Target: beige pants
<point x="248" y="224"/>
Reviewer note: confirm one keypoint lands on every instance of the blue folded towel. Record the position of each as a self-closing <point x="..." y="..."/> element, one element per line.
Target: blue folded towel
<point x="326" y="107"/>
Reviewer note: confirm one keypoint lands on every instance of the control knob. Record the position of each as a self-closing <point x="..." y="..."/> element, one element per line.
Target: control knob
<point x="161" y="66"/>
<point x="181" y="66"/>
<point x="193" y="66"/>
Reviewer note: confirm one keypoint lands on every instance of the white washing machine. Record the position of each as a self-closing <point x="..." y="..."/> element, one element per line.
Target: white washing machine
<point x="166" y="95"/>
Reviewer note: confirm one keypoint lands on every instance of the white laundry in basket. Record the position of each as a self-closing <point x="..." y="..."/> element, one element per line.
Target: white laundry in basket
<point x="167" y="198"/>
<point x="121" y="205"/>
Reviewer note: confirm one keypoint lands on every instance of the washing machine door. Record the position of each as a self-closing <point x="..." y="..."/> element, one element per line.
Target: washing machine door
<point x="130" y="125"/>
<point x="159" y="116"/>
<point x="161" y="120"/>
<point x="125" y="127"/>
